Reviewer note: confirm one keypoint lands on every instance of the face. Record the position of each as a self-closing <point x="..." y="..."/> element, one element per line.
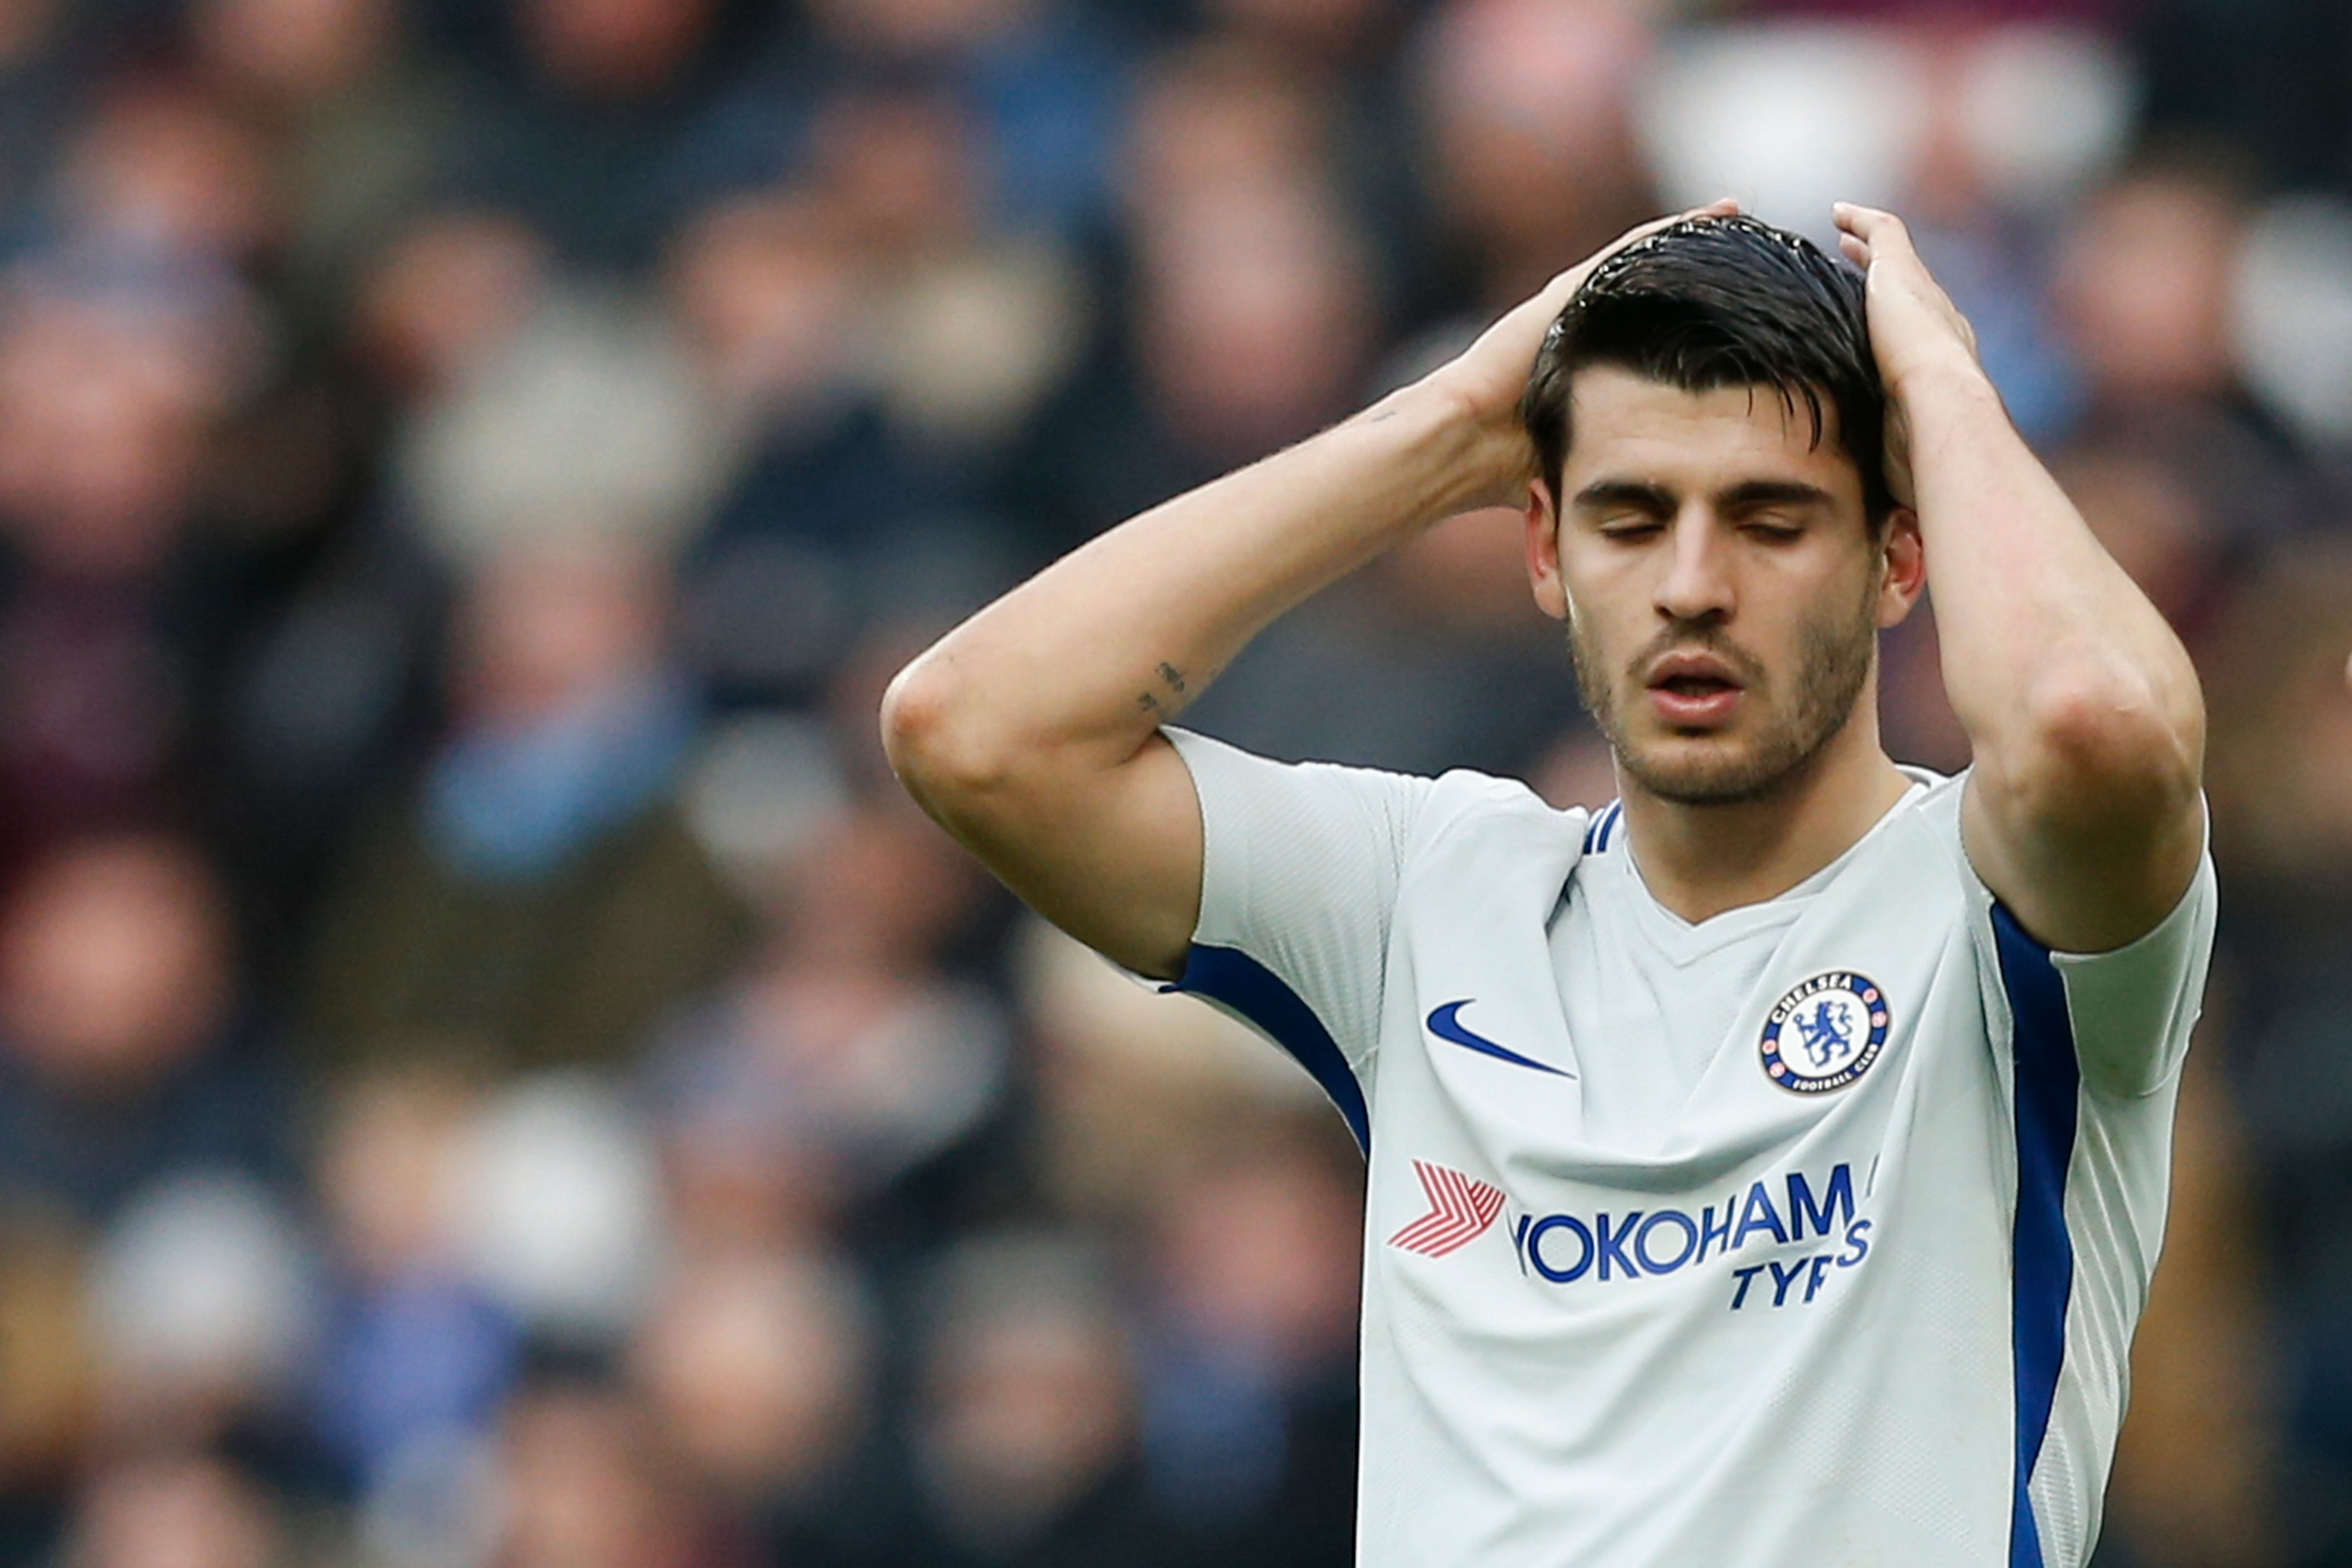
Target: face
<point x="1722" y="590"/>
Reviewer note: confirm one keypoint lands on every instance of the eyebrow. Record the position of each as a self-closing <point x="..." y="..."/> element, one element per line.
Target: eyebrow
<point x="1631" y="494"/>
<point x="1771" y="492"/>
<point x="1658" y="501"/>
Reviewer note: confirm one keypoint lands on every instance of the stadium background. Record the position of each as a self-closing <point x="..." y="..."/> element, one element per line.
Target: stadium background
<point x="492" y="1073"/>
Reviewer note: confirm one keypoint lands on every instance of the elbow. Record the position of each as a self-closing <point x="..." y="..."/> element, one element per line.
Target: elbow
<point x="933" y="739"/>
<point x="2107" y="740"/>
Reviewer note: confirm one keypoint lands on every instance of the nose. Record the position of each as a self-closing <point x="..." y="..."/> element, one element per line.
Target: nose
<point x="1696" y="584"/>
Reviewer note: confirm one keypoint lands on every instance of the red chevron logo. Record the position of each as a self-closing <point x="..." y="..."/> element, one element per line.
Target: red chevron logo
<point x="1459" y="1209"/>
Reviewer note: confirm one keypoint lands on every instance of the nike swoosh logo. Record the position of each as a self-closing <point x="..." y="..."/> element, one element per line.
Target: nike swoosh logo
<point x="1445" y="1023"/>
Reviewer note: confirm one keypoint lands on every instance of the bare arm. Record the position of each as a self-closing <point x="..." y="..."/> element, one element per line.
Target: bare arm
<point x="1032" y="730"/>
<point x="2082" y="813"/>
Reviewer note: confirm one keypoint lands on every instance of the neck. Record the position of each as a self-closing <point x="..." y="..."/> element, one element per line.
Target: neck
<point x="1701" y="861"/>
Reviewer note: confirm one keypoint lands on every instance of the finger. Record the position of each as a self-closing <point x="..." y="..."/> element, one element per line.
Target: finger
<point x="1881" y="231"/>
<point x="1855" y="219"/>
<point x="1853" y="249"/>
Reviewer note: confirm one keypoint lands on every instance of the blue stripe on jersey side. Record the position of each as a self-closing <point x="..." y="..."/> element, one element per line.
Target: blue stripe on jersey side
<point x="1233" y="977"/>
<point x="2042" y="1253"/>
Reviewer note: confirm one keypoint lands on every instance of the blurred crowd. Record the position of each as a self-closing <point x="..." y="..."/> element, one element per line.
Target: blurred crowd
<point x="492" y="1072"/>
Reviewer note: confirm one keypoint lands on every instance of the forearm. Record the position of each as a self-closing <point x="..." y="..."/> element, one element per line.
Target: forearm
<point x="1082" y="663"/>
<point x="2053" y="657"/>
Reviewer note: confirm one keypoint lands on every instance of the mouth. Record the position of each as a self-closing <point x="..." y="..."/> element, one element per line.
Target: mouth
<point x="1693" y="691"/>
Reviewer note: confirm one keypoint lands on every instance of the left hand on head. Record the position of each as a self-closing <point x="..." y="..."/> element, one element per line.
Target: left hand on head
<point x="1915" y="328"/>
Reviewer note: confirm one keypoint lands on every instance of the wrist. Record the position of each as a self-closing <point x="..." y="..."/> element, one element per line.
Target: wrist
<point x="1476" y="454"/>
<point x="1954" y="373"/>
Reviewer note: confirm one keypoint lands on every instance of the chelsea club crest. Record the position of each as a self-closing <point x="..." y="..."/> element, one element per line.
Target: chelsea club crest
<point x="1825" y="1033"/>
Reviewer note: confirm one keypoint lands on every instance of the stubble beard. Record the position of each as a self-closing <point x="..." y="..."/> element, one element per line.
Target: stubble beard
<point x="1833" y="661"/>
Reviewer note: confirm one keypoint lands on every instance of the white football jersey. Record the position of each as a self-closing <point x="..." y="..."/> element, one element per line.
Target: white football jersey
<point x="1813" y="1234"/>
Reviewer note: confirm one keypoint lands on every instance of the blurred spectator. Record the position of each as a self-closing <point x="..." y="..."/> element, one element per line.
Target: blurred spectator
<point x="2143" y="284"/>
<point x="1254" y="323"/>
<point x="46" y="1365"/>
<point x="1042" y="84"/>
<point x="163" y="169"/>
<point x="114" y="612"/>
<point x="1132" y="1084"/>
<point x="1329" y="34"/>
<point x="1533" y="158"/>
<point x="415" y="1354"/>
<point x="2145" y="279"/>
<point x="536" y="897"/>
<point x="600" y="122"/>
<point x="1215" y="118"/>
<point x="34" y="86"/>
<point x="2148" y="517"/>
<point x="583" y="1483"/>
<point x="1257" y="317"/>
<point x="973" y="324"/>
<point x="2196" y="1463"/>
<point x="1024" y="1443"/>
<point x="585" y="421"/>
<point x="202" y="1304"/>
<point x="2263" y="75"/>
<point x="757" y="1370"/>
<point x="843" y="1048"/>
<point x="1249" y="1365"/>
<point x="186" y="1511"/>
<point x="560" y="1208"/>
<point x="122" y="1056"/>
<point x="444" y="298"/>
<point x="2292" y="312"/>
<point x="850" y="383"/>
<point x="359" y="126"/>
<point x="2281" y="759"/>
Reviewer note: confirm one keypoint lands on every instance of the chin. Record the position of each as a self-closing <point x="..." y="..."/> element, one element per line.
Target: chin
<point x="1709" y="771"/>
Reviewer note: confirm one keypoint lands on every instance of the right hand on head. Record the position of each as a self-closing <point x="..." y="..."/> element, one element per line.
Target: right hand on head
<point x="1487" y="379"/>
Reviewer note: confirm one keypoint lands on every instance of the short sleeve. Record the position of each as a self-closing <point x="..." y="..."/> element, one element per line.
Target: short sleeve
<point x="1300" y="867"/>
<point x="2133" y="1009"/>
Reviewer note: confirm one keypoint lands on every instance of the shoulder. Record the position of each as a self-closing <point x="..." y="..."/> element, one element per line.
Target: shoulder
<point x="1461" y="800"/>
<point x="1924" y="826"/>
<point x="1477" y="831"/>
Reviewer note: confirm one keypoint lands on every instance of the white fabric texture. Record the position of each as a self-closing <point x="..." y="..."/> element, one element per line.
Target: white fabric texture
<point x="1750" y="1243"/>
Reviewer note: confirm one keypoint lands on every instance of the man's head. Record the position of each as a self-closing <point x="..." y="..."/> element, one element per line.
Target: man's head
<point x="1711" y="513"/>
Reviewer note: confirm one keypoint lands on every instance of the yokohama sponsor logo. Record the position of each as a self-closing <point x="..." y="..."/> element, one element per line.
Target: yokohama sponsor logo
<point x="1460" y="1208"/>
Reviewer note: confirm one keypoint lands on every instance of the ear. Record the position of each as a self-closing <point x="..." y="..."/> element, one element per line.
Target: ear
<point x="1543" y="552"/>
<point x="1903" y="557"/>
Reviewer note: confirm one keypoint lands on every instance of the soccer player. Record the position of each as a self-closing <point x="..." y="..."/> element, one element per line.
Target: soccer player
<point x="1767" y="1169"/>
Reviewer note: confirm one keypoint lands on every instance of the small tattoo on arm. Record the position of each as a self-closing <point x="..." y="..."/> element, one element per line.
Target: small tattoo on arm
<point x="1173" y="677"/>
<point x="1145" y="702"/>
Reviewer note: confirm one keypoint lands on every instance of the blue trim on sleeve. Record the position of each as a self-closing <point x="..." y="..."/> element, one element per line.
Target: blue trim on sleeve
<point x="2048" y="1079"/>
<point x="1228" y="975"/>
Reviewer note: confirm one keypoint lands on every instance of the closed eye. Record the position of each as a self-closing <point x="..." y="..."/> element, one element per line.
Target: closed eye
<point x="1629" y="526"/>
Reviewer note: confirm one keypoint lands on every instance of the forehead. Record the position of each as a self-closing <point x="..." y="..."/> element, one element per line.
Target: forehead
<point x="1625" y="426"/>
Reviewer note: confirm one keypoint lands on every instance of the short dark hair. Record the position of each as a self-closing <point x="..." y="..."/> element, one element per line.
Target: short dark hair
<point x="1711" y="303"/>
